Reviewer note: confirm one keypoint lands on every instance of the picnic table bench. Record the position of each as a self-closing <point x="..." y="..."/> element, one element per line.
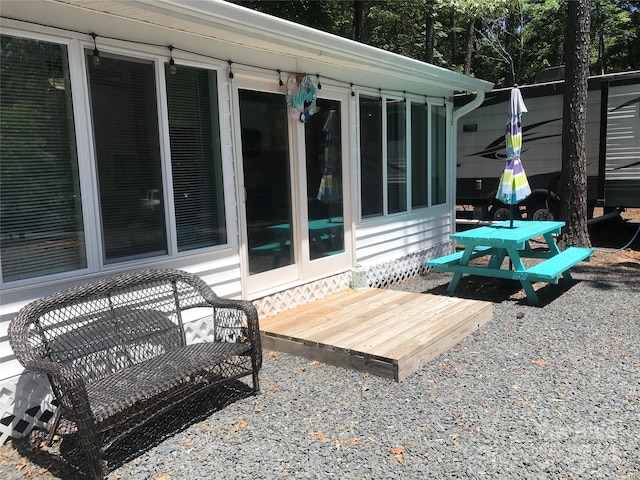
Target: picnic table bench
<point x="117" y="356"/>
<point x="501" y="240"/>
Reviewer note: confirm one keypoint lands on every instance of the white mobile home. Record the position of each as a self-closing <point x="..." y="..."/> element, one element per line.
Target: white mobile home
<point x="266" y="157"/>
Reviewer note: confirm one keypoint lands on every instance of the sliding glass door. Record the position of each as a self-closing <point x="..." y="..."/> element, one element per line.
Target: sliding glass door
<point x="267" y="181"/>
<point x="292" y="174"/>
<point x="323" y="182"/>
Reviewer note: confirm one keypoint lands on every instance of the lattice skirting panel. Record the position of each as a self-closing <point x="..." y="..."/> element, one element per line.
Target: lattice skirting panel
<point x="302" y="294"/>
<point x="26" y="400"/>
<point x="378" y="276"/>
<point x="404" y="268"/>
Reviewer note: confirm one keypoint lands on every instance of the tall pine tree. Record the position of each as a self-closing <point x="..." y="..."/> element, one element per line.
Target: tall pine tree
<point x="574" y="125"/>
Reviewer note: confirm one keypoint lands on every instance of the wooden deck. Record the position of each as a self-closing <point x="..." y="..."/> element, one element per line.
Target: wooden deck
<point x="384" y="332"/>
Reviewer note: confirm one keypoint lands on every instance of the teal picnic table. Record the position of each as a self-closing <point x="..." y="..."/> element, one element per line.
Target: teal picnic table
<point x="500" y="240"/>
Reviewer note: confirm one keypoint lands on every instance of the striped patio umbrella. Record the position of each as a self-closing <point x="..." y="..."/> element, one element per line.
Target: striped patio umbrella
<point x="514" y="186"/>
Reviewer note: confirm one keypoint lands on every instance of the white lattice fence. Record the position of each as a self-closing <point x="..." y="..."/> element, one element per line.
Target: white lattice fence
<point x="401" y="269"/>
<point x="25" y="402"/>
<point x="378" y="276"/>
<point x="300" y="295"/>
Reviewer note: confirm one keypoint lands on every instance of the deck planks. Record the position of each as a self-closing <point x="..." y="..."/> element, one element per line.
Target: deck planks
<point x="384" y="332"/>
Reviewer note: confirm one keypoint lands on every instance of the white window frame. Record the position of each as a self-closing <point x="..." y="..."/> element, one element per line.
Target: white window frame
<point x="76" y="46"/>
<point x="410" y="99"/>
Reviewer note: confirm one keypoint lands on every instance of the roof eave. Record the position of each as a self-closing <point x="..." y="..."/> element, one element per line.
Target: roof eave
<point x="250" y="23"/>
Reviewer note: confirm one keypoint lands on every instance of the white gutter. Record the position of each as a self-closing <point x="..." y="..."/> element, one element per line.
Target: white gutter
<point x="469" y="107"/>
<point x="457" y="114"/>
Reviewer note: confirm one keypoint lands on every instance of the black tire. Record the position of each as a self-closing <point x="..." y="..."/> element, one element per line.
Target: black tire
<point x="500" y="212"/>
<point x="539" y="212"/>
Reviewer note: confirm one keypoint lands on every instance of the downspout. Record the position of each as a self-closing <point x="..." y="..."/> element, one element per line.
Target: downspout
<point x="457" y="114"/>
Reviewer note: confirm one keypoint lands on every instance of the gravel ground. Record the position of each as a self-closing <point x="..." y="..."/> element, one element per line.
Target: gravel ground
<point x="540" y="392"/>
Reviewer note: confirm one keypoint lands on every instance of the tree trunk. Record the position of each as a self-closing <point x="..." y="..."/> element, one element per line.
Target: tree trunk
<point x="602" y="59"/>
<point x="453" y="36"/>
<point x="429" y="41"/>
<point x="574" y="124"/>
<point x="509" y="71"/>
<point x="360" y="12"/>
<point x="471" y="37"/>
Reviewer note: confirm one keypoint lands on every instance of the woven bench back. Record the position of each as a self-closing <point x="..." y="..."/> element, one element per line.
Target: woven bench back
<point x="102" y="327"/>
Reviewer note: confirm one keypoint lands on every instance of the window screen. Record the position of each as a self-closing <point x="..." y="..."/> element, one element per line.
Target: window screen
<point x="371" y="185"/>
<point x="396" y="156"/>
<point x="419" y="157"/>
<point x="438" y="156"/>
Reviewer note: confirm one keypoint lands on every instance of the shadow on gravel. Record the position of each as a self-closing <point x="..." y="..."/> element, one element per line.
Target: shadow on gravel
<point x="614" y="276"/>
<point x="500" y="290"/>
<point x="65" y="460"/>
<point x="615" y="233"/>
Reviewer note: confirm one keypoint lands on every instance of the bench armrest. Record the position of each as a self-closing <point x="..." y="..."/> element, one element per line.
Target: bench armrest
<point x="68" y="385"/>
<point x="252" y="328"/>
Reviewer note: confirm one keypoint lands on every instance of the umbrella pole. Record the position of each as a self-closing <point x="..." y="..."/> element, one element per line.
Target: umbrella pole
<point x="511" y="215"/>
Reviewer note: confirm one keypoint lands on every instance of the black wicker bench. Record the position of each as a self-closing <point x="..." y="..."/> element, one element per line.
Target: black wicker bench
<point x="116" y="351"/>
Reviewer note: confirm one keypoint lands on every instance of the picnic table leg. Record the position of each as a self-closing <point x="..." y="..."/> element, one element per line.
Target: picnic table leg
<point x="528" y="289"/>
<point x="527" y="286"/>
<point x="553" y="248"/>
<point x="454" y="282"/>
<point x="551" y="243"/>
<point x="466" y="256"/>
<point x="567" y="276"/>
<point x="497" y="258"/>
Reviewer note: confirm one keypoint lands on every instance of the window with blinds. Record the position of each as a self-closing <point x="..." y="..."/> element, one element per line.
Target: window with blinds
<point x="41" y="229"/>
<point x="127" y="148"/>
<point x="41" y="219"/>
<point x="195" y="157"/>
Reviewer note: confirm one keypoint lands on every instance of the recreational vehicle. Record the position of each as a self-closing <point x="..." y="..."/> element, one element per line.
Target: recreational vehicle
<point x="613" y="148"/>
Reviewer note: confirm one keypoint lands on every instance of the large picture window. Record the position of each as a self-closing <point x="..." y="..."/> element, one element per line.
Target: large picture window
<point x="152" y="202"/>
<point x="41" y="230"/>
